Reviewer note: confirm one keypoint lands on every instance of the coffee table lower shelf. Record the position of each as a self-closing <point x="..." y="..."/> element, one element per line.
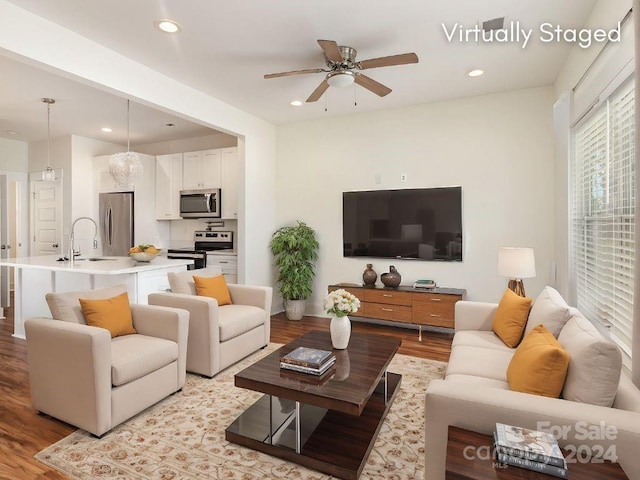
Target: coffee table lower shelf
<point x="331" y="442"/>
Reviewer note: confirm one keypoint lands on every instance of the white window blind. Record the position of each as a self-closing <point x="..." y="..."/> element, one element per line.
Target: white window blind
<point x="603" y="214"/>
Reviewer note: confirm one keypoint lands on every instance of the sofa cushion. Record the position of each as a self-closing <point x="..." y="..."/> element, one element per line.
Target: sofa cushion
<point x="539" y="365"/>
<point x="480" y="338"/>
<point x="66" y="307"/>
<point x="595" y="363"/>
<point x="214" y="287"/>
<point x="550" y="310"/>
<point x="182" y="282"/>
<point x="112" y="314"/>
<point x="479" y="362"/>
<point x="511" y="317"/>
<point x="238" y="319"/>
<point x="134" y="356"/>
<point x="472" y="381"/>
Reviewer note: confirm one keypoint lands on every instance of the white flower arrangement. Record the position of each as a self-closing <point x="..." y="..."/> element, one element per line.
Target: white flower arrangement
<point x="340" y="303"/>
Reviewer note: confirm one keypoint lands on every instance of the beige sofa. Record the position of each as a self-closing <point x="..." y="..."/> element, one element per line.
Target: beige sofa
<point x="219" y="336"/>
<point x="82" y="376"/>
<point x="475" y="393"/>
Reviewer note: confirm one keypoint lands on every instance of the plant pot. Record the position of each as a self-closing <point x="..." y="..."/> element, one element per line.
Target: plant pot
<point x="340" y="328"/>
<point x="294" y="309"/>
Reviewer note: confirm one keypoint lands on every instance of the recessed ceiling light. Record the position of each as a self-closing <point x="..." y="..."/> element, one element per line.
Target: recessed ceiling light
<point x="12" y="132"/>
<point x="296" y="103"/>
<point x="475" y="73"/>
<point x="106" y="129"/>
<point x="167" y="26"/>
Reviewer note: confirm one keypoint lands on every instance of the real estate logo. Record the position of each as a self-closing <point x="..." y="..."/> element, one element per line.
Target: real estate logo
<point x="514" y="32"/>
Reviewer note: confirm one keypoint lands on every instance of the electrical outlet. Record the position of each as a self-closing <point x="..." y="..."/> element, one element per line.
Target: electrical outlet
<point x="403" y="177"/>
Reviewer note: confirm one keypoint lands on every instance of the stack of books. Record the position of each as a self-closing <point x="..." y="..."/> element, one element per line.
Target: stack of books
<point x="530" y="449"/>
<point x="308" y="360"/>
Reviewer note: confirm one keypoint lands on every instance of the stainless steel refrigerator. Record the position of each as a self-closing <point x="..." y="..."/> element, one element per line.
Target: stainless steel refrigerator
<point x="116" y="223"/>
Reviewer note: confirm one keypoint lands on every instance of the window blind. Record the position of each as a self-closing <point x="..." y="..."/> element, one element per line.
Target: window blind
<point x="603" y="214"/>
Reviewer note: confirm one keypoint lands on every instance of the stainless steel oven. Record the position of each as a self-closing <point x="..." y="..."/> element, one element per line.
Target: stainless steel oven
<point x="199" y="257"/>
<point x="200" y="203"/>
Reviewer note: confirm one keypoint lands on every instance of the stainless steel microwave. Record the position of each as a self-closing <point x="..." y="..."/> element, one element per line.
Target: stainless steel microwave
<point x="200" y="203"/>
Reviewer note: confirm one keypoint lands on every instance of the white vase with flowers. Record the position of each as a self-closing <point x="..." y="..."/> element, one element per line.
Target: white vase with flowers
<point x="339" y="304"/>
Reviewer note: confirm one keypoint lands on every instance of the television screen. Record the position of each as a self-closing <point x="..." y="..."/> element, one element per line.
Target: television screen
<point x="421" y="224"/>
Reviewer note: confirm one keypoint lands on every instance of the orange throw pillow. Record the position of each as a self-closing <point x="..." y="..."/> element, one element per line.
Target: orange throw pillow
<point x="511" y="317"/>
<point x="539" y="365"/>
<point x="214" y="287"/>
<point x="113" y="314"/>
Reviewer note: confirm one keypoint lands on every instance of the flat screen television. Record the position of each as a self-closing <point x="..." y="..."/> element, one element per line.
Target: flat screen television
<point x="420" y="224"/>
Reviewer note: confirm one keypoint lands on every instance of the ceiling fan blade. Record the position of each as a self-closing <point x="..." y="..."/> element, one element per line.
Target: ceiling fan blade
<point x="294" y="72"/>
<point x="370" y="84"/>
<point x="317" y="93"/>
<point x="331" y="50"/>
<point x="401" y="59"/>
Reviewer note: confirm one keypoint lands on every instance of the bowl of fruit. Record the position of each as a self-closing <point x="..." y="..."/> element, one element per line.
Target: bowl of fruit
<point x="143" y="253"/>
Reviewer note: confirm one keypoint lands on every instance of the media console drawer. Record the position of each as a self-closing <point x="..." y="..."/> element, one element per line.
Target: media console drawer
<point x="435" y="308"/>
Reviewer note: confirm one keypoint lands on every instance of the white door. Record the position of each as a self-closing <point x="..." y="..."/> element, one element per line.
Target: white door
<point x="46" y="218"/>
<point x="5" y="236"/>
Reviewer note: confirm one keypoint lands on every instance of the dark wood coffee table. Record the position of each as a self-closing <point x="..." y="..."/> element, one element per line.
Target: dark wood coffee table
<point x="461" y="466"/>
<point x="329" y="423"/>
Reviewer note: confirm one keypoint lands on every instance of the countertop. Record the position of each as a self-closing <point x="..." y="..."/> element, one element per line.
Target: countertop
<point x="109" y="266"/>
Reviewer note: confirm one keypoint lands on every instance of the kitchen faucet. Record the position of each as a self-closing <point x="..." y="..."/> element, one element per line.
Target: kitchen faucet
<point x="72" y="250"/>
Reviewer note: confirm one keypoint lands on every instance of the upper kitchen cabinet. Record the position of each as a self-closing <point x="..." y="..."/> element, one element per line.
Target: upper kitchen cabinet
<point x="168" y="186"/>
<point x="202" y="169"/>
<point x="230" y="182"/>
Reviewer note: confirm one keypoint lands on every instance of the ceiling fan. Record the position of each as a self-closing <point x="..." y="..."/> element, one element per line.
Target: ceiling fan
<point x="343" y="69"/>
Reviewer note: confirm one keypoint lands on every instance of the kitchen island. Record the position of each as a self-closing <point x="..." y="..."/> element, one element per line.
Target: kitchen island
<point x="37" y="276"/>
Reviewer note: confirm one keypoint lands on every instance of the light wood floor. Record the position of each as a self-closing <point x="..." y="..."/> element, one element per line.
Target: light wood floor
<point x="23" y="432"/>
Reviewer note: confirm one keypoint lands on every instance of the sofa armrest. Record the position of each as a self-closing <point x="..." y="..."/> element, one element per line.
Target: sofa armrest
<point x="204" y="329"/>
<point x="474" y="315"/>
<point x="168" y="323"/>
<point x="70" y="372"/>
<point x="480" y="408"/>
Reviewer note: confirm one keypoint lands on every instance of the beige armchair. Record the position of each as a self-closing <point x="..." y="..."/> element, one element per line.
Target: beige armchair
<point x="219" y="336"/>
<point x="82" y="376"/>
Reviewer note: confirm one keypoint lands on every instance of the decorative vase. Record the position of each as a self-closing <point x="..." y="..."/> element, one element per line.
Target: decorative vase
<point x="340" y="329"/>
<point x="391" y="279"/>
<point x="294" y="309"/>
<point x="369" y="276"/>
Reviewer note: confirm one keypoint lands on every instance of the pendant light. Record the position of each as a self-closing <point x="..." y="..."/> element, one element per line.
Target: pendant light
<point x="125" y="167"/>
<point x="48" y="174"/>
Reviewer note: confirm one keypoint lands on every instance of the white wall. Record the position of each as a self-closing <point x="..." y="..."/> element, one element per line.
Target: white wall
<point x="14" y="155"/>
<point x="498" y="147"/>
<point x="28" y="38"/>
<point x="215" y="140"/>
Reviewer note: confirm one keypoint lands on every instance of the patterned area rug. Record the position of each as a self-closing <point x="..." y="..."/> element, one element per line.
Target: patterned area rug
<point x="182" y="437"/>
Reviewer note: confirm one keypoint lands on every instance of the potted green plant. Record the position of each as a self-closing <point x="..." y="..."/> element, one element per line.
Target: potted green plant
<point x="295" y="249"/>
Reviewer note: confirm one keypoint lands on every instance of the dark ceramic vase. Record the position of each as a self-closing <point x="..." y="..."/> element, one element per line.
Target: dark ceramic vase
<point x="369" y="276"/>
<point x="391" y="279"/>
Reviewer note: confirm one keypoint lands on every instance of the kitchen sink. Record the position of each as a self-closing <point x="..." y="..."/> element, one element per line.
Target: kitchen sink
<point x="92" y="259"/>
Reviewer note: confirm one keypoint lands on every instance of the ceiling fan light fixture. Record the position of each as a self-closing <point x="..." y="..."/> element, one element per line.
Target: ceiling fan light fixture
<point x="340" y="79"/>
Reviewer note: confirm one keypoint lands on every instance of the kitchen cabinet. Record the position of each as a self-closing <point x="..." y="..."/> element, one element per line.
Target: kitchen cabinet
<point x="168" y="185"/>
<point x="202" y="169"/>
<point x="227" y="263"/>
<point x="230" y="182"/>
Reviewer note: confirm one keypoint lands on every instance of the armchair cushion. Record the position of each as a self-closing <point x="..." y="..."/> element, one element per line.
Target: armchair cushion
<point x="238" y="319"/>
<point x="112" y="314"/>
<point x="182" y="282"/>
<point x="66" y="307"/>
<point x="214" y="287"/>
<point x="134" y="356"/>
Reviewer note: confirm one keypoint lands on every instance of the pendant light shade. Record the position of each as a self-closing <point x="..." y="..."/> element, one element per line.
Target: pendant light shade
<point x="125" y="167"/>
<point x="48" y="174"/>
